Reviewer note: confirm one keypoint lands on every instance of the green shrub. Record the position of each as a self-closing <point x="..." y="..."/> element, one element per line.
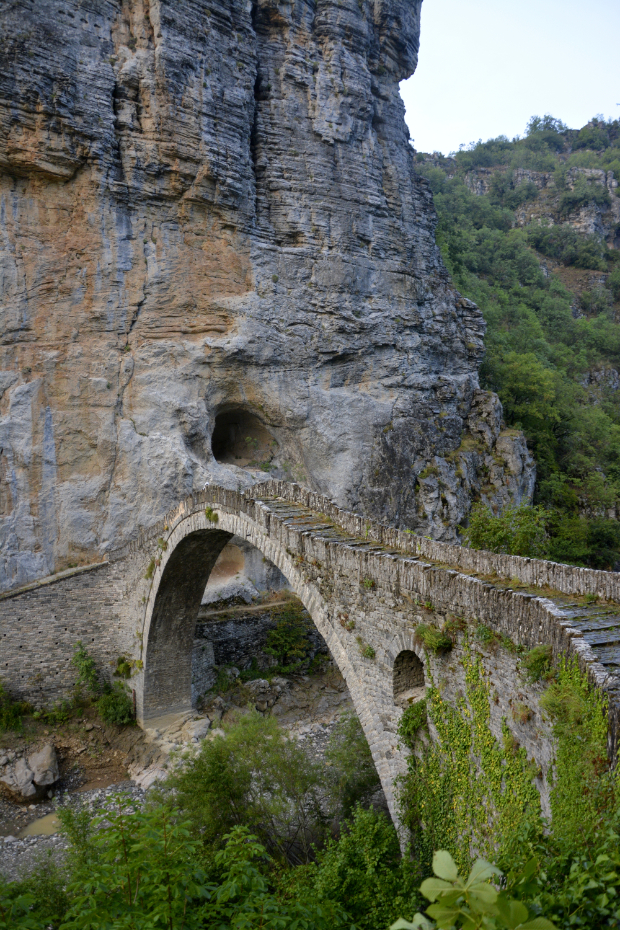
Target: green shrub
<point x="289" y="642"/>
<point x="256" y="777"/>
<point x="352" y="769"/>
<point x="115" y="705"/>
<point x="143" y="870"/>
<point x="569" y="246"/>
<point x="584" y="192"/>
<point x="517" y="531"/>
<point x="86" y="669"/>
<point x="365" y="648"/>
<point x="363" y="872"/>
<point x="432" y="638"/>
<point x="211" y="515"/>
<point x="412" y="721"/>
<point x="537" y="663"/>
<point x="11" y="711"/>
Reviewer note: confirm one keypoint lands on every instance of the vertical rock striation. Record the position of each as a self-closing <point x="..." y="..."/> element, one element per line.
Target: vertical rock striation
<point x="208" y="208"/>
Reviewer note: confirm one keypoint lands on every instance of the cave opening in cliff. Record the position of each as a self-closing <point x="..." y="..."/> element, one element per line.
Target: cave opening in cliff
<point x="239" y="438"/>
<point x="408" y="678"/>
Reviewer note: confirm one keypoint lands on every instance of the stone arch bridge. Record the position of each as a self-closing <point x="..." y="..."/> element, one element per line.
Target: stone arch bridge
<point x="366" y="586"/>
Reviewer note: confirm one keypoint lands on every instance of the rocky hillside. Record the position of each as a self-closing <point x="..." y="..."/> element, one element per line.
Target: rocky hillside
<point x="218" y="261"/>
<point x="530" y="229"/>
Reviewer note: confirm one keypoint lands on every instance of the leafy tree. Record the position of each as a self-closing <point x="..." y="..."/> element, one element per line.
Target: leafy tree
<point x="517" y="531"/>
<point x="352" y="768"/>
<point x="256" y="777"/>
<point x="363" y="872"/>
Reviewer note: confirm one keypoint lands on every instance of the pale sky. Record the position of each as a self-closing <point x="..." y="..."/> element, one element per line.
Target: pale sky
<point x="486" y="66"/>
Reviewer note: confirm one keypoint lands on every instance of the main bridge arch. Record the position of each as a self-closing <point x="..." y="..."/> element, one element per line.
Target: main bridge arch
<point x="187" y="555"/>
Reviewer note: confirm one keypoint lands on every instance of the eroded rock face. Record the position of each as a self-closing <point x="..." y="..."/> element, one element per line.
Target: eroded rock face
<point x="209" y="209"/>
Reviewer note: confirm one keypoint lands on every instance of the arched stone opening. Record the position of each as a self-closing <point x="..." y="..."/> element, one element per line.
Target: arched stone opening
<point x="184" y="559"/>
<point x="240" y="438"/>
<point x="408" y="678"/>
<point x="168" y="665"/>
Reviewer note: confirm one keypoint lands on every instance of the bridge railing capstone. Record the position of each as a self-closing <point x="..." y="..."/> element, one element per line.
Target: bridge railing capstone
<point x="566" y="579"/>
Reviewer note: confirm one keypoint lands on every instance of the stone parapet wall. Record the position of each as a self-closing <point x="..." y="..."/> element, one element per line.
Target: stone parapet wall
<point x="41" y="625"/>
<point x="567" y="579"/>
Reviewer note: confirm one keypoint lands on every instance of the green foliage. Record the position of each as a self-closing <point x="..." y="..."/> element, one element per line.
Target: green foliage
<point x="243" y="897"/>
<point x="365" y="648"/>
<point x="143" y="870"/>
<point x="211" y="515"/>
<point x="432" y="638"/>
<point x="11" y="711"/>
<point x="115" y="705"/>
<point x="84" y="663"/>
<point x="253" y="776"/>
<point x="447" y="800"/>
<point x="583" y="791"/>
<point x="412" y="721"/>
<point x="583" y="192"/>
<point x="363" y="872"/>
<point x="517" y="531"/>
<point x="289" y="642"/>
<point x="16" y="909"/>
<point x="37" y="901"/>
<point x="566" y="244"/>
<point x="150" y="569"/>
<point x="537" y="663"/>
<point x="352" y="769"/>
<point x="539" y="350"/>
<point x="472" y="903"/>
<point x="58" y="714"/>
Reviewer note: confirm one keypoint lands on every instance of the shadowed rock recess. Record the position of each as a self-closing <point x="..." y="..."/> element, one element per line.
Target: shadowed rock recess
<point x="209" y="212"/>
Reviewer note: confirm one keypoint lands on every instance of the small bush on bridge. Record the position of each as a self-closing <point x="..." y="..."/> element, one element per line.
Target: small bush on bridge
<point x="537" y="663"/>
<point x="432" y="638"/>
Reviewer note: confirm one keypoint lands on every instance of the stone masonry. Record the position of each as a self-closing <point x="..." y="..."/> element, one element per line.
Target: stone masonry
<point x="364" y="585"/>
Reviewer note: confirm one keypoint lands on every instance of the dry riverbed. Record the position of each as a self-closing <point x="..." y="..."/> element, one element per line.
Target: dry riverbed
<point x="96" y="759"/>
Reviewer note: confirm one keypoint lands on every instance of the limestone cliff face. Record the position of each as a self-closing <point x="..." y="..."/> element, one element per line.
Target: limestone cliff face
<point x="212" y="235"/>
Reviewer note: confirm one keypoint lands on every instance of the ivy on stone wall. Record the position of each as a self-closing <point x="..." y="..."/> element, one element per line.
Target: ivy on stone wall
<point x="584" y="788"/>
<point x="471" y="794"/>
<point x="465" y="792"/>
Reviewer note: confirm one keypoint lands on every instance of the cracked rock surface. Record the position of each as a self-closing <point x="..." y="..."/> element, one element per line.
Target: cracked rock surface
<point x="209" y="208"/>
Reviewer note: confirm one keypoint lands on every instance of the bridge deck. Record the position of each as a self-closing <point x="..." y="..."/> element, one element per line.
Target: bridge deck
<point x="598" y="623"/>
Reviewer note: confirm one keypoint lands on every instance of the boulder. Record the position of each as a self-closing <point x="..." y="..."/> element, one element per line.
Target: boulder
<point x="196" y="729"/>
<point x="44" y="765"/>
<point x="30" y="778"/>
